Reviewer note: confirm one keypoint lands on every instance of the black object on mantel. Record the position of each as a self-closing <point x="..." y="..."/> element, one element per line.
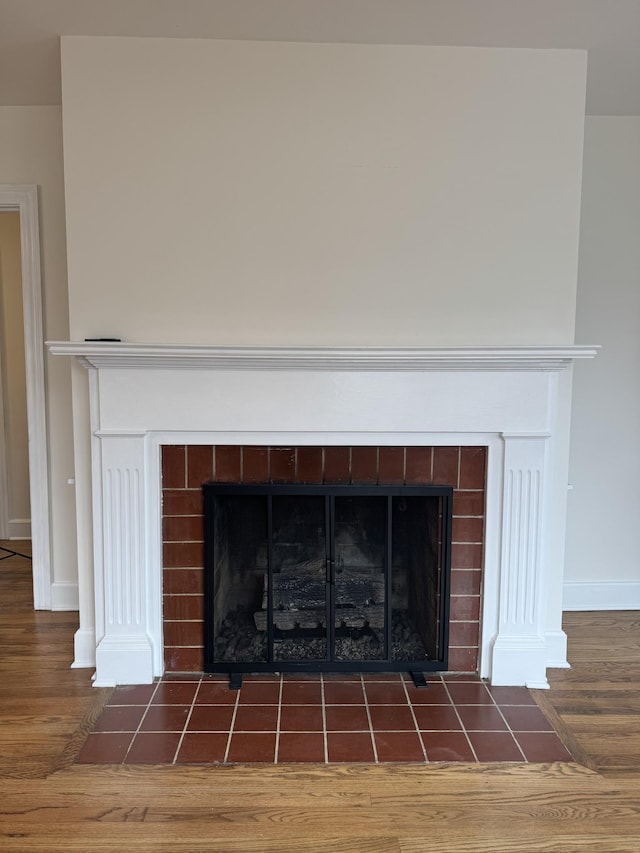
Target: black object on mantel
<point x="103" y="340"/>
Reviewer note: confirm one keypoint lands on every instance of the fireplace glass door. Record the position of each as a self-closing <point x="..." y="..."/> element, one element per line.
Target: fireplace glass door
<point x="299" y="588"/>
<point x="359" y="577"/>
<point x="326" y="578"/>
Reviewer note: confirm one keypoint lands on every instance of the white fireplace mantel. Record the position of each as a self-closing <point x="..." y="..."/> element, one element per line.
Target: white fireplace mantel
<point x="513" y="400"/>
<point x="101" y="354"/>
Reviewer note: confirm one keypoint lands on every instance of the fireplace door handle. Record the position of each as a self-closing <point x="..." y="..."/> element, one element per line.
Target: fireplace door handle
<point x="330" y="571"/>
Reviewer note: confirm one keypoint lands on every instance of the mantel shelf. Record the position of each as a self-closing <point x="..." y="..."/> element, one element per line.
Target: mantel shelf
<point x="148" y="356"/>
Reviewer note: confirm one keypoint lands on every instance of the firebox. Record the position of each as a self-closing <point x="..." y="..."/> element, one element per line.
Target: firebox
<point x="326" y="578"/>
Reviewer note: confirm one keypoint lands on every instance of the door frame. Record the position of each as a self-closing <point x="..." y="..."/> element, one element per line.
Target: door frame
<point x="24" y="199"/>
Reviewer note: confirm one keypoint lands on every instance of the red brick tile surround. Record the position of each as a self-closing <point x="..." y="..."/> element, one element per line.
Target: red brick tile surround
<point x="186" y="468"/>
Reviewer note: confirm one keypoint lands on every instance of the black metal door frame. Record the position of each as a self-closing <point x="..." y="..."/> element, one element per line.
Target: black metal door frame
<point x="330" y="492"/>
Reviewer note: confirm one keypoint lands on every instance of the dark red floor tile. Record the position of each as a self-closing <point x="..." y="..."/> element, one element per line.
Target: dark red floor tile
<point x="202" y="748"/>
<point x="341" y="676"/>
<point x="457" y="677"/>
<point x="495" y="746"/>
<point x="346" y="718"/>
<point x="294" y="747"/>
<point x="165" y="718"/>
<point x="175" y="693"/>
<point x="399" y="746"/>
<point x="301" y="718"/>
<point x="447" y="746"/>
<point x="153" y="748"/>
<point x="525" y="719"/>
<point x="260" y="693"/>
<point x="343" y="693"/>
<point x="543" y="747"/>
<point x="390" y="718"/>
<point x="123" y="718"/>
<point x="256" y="718"/>
<point x="136" y="695"/>
<point x="102" y="748"/>
<point x="215" y="693"/>
<point x="301" y="692"/>
<point x="483" y="718"/>
<point x="385" y="693"/>
<point x="469" y="693"/>
<point x="260" y="676"/>
<point x="434" y="694"/>
<point x="511" y="695"/>
<point x="311" y="677"/>
<point x="383" y="676"/>
<point x="351" y="747"/>
<point x="252" y="747"/>
<point x="210" y="718"/>
<point x="436" y="718"/>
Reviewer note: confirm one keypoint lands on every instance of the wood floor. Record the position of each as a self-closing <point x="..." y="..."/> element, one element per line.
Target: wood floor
<point x="49" y="805"/>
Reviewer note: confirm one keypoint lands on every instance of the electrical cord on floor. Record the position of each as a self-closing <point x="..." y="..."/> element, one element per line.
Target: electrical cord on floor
<point x="9" y="553"/>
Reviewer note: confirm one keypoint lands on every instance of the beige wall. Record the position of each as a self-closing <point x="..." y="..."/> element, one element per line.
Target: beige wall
<point x="14" y="391"/>
<point x="603" y="551"/>
<point x="31" y="153"/>
<point x="271" y="193"/>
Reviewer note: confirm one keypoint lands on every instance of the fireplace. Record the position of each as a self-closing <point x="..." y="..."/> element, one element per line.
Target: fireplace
<point x="326" y="578"/>
<point x="513" y="401"/>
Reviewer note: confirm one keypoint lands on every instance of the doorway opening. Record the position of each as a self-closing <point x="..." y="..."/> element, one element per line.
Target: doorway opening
<point x="23" y="199"/>
<point x="15" y="510"/>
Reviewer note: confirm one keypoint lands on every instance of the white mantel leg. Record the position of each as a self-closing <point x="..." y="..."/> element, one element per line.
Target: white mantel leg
<point x="124" y="654"/>
<point x="519" y="652"/>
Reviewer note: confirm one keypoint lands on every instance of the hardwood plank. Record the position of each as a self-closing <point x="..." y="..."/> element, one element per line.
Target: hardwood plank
<point x="518" y="844"/>
<point x="132" y="841"/>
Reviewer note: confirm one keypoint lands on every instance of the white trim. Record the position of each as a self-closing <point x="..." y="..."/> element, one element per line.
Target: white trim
<point x="520" y="646"/>
<point x="601" y="595"/>
<point x="557" y="650"/>
<point x="19" y="528"/>
<point x="183" y="357"/>
<point x="84" y="649"/>
<point x="24" y="198"/>
<point x="64" y="596"/>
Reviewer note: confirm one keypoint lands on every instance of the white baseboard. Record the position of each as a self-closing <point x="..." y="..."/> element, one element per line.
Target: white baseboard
<point x="84" y="646"/>
<point x="64" y="596"/>
<point x="557" y="650"/>
<point x="19" y="528"/>
<point x="601" y="595"/>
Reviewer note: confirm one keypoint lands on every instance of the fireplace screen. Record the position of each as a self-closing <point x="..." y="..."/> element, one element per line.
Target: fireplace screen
<point x="326" y="577"/>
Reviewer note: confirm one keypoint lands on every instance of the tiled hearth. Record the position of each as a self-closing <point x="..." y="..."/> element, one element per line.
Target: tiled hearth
<point x="321" y="719"/>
